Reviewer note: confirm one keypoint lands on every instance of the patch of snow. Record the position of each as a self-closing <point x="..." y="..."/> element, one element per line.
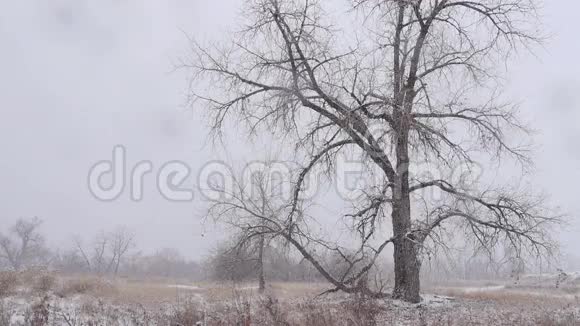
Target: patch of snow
<point x="432" y="300"/>
<point x="428" y="300"/>
<point x="483" y="289"/>
<point x="184" y="287"/>
<point x="17" y="319"/>
<point x="247" y="288"/>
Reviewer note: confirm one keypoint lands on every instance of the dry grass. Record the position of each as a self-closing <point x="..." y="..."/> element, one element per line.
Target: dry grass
<point x="39" y="313"/>
<point x="146" y="293"/>
<point x="95" y="286"/>
<point x="513" y="296"/>
<point x="297" y="290"/>
<point x="186" y="314"/>
<point x="44" y="282"/>
<point x="83" y="300"/>
<point x="35" y="280"/>
<point x="8" y="283"/>
<point x="251" y="310"/>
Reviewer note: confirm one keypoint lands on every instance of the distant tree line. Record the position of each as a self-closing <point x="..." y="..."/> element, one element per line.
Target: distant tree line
<point x="115" y="253"/>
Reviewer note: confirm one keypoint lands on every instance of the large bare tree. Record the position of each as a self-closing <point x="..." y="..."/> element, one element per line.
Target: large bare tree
<point x="415" y="81"/>
<point x="23" y="245"/>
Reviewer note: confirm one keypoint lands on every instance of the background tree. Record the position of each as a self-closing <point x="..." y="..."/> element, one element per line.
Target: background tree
<point x="107" y="250"/>
<point x="94" y="259"/>
<point x="421" y="86"/>
<point x="23" y="245"/>
<point x="121" y="241"/>
<point x="253" y="211"/>
<point x="169" y="263"/>
<point x="231" y="262"/>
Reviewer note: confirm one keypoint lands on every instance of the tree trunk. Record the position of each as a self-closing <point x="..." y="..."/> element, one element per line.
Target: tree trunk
<point x="117" y="266"/>
<point x="261" y="279"/>
<point x="407" y="263"/>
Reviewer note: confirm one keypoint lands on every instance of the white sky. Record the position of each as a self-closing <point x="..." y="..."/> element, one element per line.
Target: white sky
<point x="78" y="77"/>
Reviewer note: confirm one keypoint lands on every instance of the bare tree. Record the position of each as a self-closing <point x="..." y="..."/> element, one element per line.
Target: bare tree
<point x="81" y="251"/>
<point x="422" y="86"/>
<point x="24" y="245"/>
<point x="167" y="262"/>
<point x="254" y="213"/>
<point x="107" y="250"/>
<point x="121" y="241"/>
<point x="94" y="257"/>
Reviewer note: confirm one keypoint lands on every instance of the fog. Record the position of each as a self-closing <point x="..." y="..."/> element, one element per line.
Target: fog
<point x="80" y="77"/>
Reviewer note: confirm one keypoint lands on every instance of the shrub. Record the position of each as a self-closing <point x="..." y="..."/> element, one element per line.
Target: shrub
<point x="76" y="287"/>
<point x="316" y="315"/>
<point x="363" y="311"/>
<point x="276" y="313"/>
<point x="44" y="282"/>
<point x="39" y="313"/>
<point x="186" y="314"/>
<point x="8" y="283"/>
<point x="5" y="313"/>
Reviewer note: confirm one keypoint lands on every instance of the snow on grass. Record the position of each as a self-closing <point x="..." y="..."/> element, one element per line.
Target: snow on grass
<point x="432" y="300"/>
<point x="427" y="300"/>
<point x="184" y="287"/>
<point x="433" y="310"/>
<point x="483" y="289"/>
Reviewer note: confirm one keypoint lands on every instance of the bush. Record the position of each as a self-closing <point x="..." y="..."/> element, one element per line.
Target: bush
<point x="44" y="282"/>
<point x="38" y="314"/>
<point x="76" y="287"/>
<point x="277" y="314"/>
<point x="363" y="311"/>
<point x="8" y="283"/>
<point x="317" y="315"/>
<point x="5" y="313"/>
<point x="186" y="314"/>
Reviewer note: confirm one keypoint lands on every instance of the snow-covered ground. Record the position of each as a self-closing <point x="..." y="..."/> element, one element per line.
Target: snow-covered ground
<point x="92" y="301"/>
<point x="434" y="310"/>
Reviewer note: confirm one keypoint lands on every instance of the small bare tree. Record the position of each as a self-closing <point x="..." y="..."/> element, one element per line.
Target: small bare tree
<point x="108" y="250"/>
<point x="24" y="245"/>
<point x="122" y="240"/>
<point x="95" y="259"/>
<point x="253" y="212"/>
<point x="421" y="86"/>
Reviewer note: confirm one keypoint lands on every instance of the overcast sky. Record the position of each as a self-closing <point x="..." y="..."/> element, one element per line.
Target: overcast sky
<point x="79" y="77"/>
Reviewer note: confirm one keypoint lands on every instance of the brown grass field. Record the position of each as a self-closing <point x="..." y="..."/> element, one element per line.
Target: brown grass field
<point x="39" y="298"/>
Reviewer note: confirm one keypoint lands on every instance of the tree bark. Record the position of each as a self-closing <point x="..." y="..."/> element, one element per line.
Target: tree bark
<point x="407" y="263"/>
<point x="406" y="249"/>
